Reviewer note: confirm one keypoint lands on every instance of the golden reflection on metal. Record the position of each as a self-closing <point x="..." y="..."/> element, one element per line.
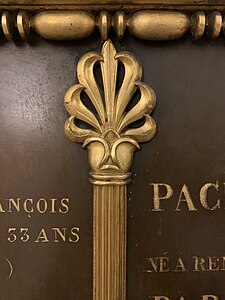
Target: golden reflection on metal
<point x="104" y="24"/>
<point x="24" y="24"/>
<point x="111" y="140"/>
<point x="198" y="24"/>
<point x="159" y="25"/>
<point x="152" y="25"/>
<point x="120" y="24"/>
<point x="6" y="22"/>
<point x="215" y="22"/>
<point x="63" y="25"/>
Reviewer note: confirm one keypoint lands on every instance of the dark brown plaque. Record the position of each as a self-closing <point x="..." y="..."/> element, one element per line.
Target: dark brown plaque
<point x="160" y="237"/>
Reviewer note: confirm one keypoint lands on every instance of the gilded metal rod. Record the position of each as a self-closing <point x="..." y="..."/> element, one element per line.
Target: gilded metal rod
<point x="109" y="229"/>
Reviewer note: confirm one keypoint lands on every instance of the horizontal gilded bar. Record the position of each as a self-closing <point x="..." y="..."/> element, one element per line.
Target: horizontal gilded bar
<point x="116" y="4"/>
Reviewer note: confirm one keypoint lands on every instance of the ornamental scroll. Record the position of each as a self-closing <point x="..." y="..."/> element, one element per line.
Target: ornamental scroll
<point x="110" y="128"/>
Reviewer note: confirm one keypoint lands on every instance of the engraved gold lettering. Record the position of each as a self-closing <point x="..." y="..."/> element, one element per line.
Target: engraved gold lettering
<point x="180" y="267"/>
<point x="65" y="205"/>
<point x="25" y="206"/>
<point x="53" y="206"/>
<point x="153" y="264"/>
<point x="24" y="235"/>
<point x="157" y="198"/>
<point x="204" y="194"/>
<point x="22" y="232"/>
<point x="163" y="264"/>
<point x="158" y="264"/>
<point x="75" y="233"/>
<point x="1" y="209"/>
<point x="185" y="197"/>
<point x="15" y="204"/>
<point x="12" y="236"/>
<point x="199" y="264"/>
<point x="58" y="232"/>
<point x="30" y="205"/>
<point x="214" y="263"/>
<point x="42" y="207"/>
<point x="42" y="237"/>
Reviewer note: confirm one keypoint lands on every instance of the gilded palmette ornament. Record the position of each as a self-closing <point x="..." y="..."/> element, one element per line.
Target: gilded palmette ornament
<point x="110" y="137"/>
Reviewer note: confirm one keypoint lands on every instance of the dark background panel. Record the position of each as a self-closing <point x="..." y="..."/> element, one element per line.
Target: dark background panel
<point x="188" y="149"/>
<point x="37" y="160"/>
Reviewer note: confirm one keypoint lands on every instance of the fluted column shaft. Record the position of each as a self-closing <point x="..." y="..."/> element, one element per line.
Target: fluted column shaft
<point x="110" y="214"/>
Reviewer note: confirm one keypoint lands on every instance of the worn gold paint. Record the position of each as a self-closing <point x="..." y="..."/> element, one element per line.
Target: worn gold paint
<point x="198" y="25"/>
<point x="144" y="24"/>
<point x="215" y="22"/>
<point x="158" y="25"/>
<point x="63" y="25"/>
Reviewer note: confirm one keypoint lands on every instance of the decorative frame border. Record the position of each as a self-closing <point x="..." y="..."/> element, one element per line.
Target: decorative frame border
<point x="146" y="24"/>
<point x="113" y="4"/>
<point x="145" y="19"/>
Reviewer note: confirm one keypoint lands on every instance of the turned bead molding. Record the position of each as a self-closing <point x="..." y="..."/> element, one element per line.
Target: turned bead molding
<point x="152" y="25"/>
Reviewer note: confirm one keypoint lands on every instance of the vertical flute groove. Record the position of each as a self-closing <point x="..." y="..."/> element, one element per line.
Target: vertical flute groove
<point x="109" y="242"/>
